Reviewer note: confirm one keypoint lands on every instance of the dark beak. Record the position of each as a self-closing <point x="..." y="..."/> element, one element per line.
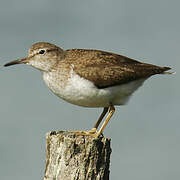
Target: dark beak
<point x="19" y="61"/>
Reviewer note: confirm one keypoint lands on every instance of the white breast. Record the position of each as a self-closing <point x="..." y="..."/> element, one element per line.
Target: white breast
<point x="82" y="92"/>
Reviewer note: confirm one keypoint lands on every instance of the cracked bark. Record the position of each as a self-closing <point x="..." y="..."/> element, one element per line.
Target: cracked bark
<point x="72" y="157"/>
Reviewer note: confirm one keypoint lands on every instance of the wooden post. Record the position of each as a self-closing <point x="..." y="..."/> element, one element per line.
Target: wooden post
<point x="72" y="157"/>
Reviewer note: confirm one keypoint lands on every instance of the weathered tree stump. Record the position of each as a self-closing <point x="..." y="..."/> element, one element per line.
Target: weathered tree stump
<point x="72" y="157"/>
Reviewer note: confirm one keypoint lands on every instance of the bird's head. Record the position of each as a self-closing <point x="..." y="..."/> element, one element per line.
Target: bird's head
<point x="41" y="55"/>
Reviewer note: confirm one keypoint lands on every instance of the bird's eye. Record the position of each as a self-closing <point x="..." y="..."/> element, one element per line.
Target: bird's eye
<point x="42" y="51"/>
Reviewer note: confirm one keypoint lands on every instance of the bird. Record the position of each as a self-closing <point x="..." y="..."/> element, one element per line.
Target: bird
<point x="89" y="78"/>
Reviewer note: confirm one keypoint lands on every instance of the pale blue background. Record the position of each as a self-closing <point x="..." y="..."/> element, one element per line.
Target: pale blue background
<point x="145" y="133"/>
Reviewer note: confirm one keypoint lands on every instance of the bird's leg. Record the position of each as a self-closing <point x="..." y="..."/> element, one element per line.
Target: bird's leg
<point x="94" y="129"/>
<point x="101" y="117"/>
<point x="111" y="112"/>
<point x="94" y="133"/>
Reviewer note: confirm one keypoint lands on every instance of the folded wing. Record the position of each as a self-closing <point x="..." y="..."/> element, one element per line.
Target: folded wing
<point x="106" y="69"/>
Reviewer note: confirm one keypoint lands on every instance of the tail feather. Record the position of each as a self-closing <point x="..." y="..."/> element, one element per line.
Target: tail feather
<point x="169" y="73"/>
<point x="166" y="69"/>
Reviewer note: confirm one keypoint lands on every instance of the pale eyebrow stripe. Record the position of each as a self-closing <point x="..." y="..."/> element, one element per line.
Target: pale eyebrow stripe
<point x="47" y="50"/>
<point x="54" y="49"/>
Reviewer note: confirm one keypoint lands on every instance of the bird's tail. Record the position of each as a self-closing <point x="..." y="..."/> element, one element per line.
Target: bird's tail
<point x="166" y="69"/>
<point x="169" y="73"/>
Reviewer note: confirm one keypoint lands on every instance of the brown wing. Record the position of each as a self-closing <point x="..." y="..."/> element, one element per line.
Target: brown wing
<point x="106" y="69"/>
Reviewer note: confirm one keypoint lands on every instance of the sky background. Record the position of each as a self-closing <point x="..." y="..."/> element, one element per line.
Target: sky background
<point x="145" y="133"/>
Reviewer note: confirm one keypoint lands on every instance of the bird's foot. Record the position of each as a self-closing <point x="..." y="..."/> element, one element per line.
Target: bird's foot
<point x="93" y="132"/>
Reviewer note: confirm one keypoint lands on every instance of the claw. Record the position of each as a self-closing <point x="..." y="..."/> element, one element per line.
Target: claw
<point x="93" y="133"/>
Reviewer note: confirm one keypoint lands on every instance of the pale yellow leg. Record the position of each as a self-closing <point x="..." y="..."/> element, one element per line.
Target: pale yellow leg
<point x="93" y="132"/>
<point x="101" y="117"/>
<point x="94" y="129"/>
<point x="111" y="112"/>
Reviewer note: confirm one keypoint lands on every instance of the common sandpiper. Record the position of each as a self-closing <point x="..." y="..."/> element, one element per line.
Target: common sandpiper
<point x="89" y="78"/>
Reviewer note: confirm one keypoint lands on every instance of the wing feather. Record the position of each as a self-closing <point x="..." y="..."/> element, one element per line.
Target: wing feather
<point x="106" y="69"/>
